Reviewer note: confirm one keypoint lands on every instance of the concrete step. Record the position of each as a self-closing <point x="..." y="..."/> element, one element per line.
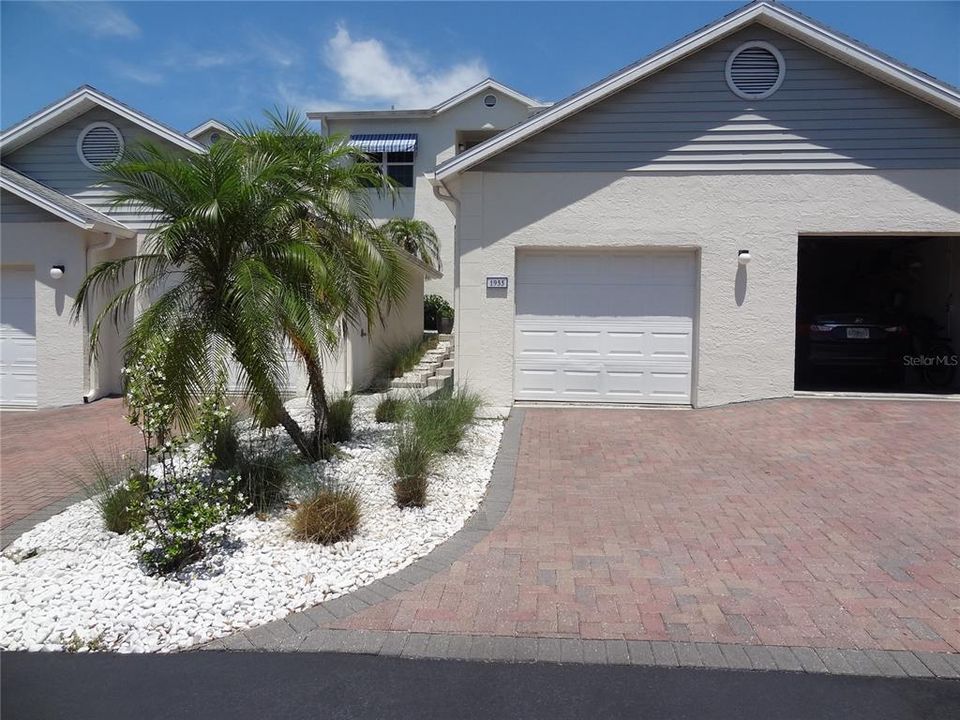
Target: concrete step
<point x="438" y="382"/>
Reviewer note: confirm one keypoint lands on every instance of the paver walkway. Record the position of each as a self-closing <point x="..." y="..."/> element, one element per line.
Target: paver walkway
<point x="44" y="453"/>
<point x="813" y="523"/>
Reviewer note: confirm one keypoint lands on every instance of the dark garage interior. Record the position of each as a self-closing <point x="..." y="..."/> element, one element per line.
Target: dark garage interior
<point x="878" y="314"/>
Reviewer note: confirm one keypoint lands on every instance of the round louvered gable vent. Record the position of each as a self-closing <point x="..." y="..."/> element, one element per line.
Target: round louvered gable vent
<point x="99" y="145"/>
<point x="755" y="70"/>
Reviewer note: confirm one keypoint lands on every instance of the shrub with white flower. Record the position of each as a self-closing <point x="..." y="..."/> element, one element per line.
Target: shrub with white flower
<point x="187" y="505"/>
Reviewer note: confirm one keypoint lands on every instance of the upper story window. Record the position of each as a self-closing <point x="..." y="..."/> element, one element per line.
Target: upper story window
<point x="99" y="145"/>
<point x="392" y="153"/>
<point x="396" y="165"/>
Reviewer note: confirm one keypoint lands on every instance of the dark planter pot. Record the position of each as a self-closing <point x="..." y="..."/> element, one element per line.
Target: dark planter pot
<point x="445" y="325"/>
<point x="430" y="320"/>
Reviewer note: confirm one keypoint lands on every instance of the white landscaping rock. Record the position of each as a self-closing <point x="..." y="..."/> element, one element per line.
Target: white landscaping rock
<point x="69" y="578"/>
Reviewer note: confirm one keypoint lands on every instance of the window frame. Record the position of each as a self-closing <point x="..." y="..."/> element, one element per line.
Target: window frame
<point x="384" y="164"/>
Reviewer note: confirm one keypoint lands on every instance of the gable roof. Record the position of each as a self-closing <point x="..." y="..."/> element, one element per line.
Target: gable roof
<point x="56" y="203"/>
<point x="210" y="124"/>
<point x="75" y="104"/>
<point x="773" y="15"/>
<point x="482" y="86"/>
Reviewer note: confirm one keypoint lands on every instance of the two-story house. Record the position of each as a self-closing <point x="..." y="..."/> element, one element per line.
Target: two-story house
<point x="409" y="144"/>
<point x="58" y="220"/>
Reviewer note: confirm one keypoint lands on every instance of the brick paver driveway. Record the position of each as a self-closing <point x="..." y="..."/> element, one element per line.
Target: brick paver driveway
<point x="794" y="522"/>
<point x="43" y="454"/>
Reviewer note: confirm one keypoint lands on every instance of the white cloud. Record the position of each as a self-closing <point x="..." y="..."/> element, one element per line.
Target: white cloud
<point x="294" y="96"/>
<point x="369" y="73"/>
<point x="142" y="75"/>
<point x="96" y="18"/>
<point x="274" y="49"/>
<point x="182" y="58"/>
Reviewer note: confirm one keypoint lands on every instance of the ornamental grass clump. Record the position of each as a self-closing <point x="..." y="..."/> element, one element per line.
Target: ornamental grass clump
<point x="117" y="489"/>
<point x="390" y="410"/>
<point x="413" y="459"/>
<point x="121" y="507"/>
<point x="265" y="474"/>
<point x="340" y="420"/>
<point x="329" y="515"/>
<point x="443" y="419"/>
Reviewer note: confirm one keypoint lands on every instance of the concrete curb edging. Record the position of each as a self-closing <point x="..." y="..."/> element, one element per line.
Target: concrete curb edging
<point x="488" y="648"/>
<point x="305" y="632"/>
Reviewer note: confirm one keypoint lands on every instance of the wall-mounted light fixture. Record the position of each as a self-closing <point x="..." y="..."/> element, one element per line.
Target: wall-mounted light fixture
<point x="743" y="257"/>
<point x="56" y="271"/>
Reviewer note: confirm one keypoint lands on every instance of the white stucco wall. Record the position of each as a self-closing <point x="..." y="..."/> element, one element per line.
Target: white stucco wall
<point x="355" y="363"/>
<point x="60" y="343"/>
<point x="746" y="323"/>
<point x="403" y="323"/>
<point x="436" y="143"/>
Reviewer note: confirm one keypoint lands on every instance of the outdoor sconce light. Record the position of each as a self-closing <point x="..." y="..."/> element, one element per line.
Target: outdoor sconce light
<point x="743" y="257"/>
<point x="56" y="271"/>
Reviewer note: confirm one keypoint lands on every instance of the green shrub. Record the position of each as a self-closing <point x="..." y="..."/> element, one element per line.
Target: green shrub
<point x="186" y="504"/>
<point x="390" y="410"/>
<point x="413" y="458"/>
<point x="225" y="441"/>
<point x="340" y="420"/>
<point x="435" y="308"/>
<point x="402" y="358"/>
<point x="443" y="419"/>
<point x="329" y="515"/>
<point x="264" y="473"/>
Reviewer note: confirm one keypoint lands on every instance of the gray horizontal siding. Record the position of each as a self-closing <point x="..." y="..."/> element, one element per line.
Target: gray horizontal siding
<point x="52" y="160"/>
<point x="685" y="118"/>
<point x="17" y="210"/>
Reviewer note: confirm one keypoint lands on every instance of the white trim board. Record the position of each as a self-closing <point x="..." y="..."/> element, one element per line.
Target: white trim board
<point x="482" y="86"/>
<point x="75" y="104"/>
<point x="95" y="221"/>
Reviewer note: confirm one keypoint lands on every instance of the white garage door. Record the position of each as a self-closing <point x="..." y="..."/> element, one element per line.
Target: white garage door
<point x="18" y="339"/>
<point x="607" y="327"/>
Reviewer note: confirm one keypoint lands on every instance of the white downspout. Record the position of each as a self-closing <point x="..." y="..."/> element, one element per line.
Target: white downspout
<point x="93" y="391"/>
<point x="448" y="197"/>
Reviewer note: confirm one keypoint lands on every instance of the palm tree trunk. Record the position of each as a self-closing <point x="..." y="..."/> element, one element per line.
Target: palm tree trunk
<point x="306" y="445"/>
<point x="318" y="398"/>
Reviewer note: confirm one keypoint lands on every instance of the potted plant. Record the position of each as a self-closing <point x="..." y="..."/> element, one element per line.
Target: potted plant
<point x="437" y="314"/>
<point x="445" y="325"/>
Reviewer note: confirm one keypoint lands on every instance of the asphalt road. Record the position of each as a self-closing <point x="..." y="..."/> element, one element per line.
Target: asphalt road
<point x="234" y="686"/>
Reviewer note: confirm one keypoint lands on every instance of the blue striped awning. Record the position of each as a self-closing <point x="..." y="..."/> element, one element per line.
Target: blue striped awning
<point x="385" y="142"/>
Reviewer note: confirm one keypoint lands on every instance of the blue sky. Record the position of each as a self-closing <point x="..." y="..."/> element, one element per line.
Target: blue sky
<point x="185" y="62"/>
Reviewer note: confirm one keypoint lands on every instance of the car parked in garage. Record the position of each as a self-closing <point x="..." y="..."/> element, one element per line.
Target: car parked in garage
<point x="852" y="340"/>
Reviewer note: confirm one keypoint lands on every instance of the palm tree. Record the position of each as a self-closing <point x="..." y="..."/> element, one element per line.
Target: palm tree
<point x="359" y="272"/>
<point x="416" y="237"/>
<point x="259" y="246"/>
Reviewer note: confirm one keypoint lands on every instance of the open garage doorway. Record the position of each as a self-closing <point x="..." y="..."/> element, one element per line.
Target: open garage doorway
<point x="878" y="314"/>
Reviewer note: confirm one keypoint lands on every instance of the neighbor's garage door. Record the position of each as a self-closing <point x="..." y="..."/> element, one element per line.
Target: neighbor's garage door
<point x="609" y="327"/>
<point x="18" y="339"/>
